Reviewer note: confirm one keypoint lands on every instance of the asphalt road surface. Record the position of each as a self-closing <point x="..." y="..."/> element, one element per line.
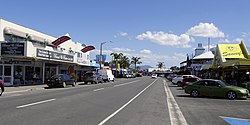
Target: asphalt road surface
<point x="136" y="101"/>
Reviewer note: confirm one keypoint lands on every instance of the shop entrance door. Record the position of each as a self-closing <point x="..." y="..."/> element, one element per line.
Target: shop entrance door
<point x="6" y="74"/>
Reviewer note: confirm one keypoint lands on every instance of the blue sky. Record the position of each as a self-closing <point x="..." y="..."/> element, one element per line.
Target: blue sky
<point x="155" y="30"/>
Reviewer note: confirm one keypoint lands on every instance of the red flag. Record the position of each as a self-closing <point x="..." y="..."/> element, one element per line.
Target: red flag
<point x="87" y="48"/>
<point x="60" y="40"/>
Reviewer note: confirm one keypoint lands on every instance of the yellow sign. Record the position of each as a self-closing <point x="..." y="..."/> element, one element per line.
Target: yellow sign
<point x="231" y="51"/>
<point x="118" y="67"/>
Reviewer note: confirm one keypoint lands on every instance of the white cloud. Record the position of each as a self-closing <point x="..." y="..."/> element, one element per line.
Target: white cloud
<point x="238" y="40"/>
<point x="245" y="34"/>
<point x="224" y="41"/>
<point x="205" y="30"/>
<point x="145" y="51"/>
<point x="123" y="33"/>
<point x="122" y="49"/>
<point x="166" y="39"/>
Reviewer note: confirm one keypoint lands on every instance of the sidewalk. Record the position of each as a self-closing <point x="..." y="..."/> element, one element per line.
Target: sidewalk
<point x="24" y="88"/>
<point x="15" y="89"/>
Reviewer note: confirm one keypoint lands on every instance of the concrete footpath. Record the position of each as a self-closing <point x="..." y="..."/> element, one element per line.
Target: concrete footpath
<point x="24" y="88"/>
<point x="16" y="89"/>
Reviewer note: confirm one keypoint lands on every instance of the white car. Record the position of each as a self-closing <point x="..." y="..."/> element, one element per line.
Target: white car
<point x="154" y="76"/>
<point x="178" y="79"/>
<point x="106" y="75"/>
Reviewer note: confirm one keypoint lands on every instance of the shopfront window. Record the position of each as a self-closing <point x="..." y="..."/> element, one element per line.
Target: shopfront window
<point x="18" y="75"/>
<point x="29" y="73"/>
<point x="1" y="71"/>
<point x="7" y="70"/>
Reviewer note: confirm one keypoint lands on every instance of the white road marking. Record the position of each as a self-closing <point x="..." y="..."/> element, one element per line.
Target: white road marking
<point x="36" y="103"/>
<point x="126" y="83"/>
<point x="175" y="114"/>
<point x="98" y="89"/>
<point x="113" y="114"/>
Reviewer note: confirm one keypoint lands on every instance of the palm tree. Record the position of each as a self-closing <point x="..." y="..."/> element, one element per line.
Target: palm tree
<point x="116" y="57"/>
<point x="160" y="65"/>
<point x="124" y="61"/>
<point x="135" y="60"/>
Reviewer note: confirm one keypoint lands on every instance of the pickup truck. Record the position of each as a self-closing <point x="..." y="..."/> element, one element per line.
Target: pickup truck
<point x="178" y="79"/>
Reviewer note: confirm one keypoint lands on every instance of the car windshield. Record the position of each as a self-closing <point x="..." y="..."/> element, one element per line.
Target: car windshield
<point x="56" y="76"/>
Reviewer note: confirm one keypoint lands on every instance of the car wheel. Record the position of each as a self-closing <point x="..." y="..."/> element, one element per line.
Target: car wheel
<point x="195" y="93"/>
<point x="1" y="91"/>
<point x="74" y="84"/>
<point x="64" y="84"/>
<point x="179" y="83"/>
<point x="231" y="95"/>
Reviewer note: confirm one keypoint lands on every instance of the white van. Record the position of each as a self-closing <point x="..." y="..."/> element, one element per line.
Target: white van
<point x="106" y="75"/>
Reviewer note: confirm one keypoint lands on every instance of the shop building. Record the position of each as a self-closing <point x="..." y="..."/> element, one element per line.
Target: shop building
<point x="231" y="63"/>
<point x="29" y="57"/>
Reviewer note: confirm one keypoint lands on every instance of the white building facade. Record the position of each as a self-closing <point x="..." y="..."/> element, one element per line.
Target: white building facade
<point x="28" y="57"/>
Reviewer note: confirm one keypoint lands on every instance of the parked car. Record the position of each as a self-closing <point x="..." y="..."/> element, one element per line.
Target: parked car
<point x="215" y="88"/>
<point x="187" y="80"/>
<point x="178" y="79"/>
<point x="1" y="87"/>
<point x="60" y="80"/>
<point x="154" y="76"/>
<point x="129" y="75"/>
<point x="93" y="77"/>
<point x="106" y="75"/>
<point x="138" y="75"/>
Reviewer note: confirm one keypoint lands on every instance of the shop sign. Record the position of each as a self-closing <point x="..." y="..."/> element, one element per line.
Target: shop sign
<point x="54" y="55"/>
<point x="12" y="49"/>
<point x="231" y="51"/>
<point x="83" y="61"/>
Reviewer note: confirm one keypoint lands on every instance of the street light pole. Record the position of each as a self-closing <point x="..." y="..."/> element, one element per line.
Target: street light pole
<point x="101" y="54"/>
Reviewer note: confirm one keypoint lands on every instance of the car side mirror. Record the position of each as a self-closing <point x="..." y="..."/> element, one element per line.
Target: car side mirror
<point x="219" y="86"/>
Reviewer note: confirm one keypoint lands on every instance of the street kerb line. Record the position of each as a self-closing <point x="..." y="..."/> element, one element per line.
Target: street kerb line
<point x="36" y="103"/>
<point x="126" y="83"/>
<point x="114" y="113"/>
<point x="98" y="89"/>
<point x="175" y="114"/>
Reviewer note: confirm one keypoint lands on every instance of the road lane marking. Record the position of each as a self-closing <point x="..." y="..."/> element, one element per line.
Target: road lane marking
<point x="126" y="83"/>
<point x="113" y="114"/>
<point x="98" y="89"/>
<point x="175" y="114"/>
<point x="36" y="103"/>
<point x="236" y="121"/>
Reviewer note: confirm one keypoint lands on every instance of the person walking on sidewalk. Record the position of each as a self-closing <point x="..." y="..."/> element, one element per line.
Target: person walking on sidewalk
<point x="1" y="87"/>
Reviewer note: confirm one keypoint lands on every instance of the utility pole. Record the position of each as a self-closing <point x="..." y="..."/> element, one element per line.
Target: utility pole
<point x="208" y="45"/>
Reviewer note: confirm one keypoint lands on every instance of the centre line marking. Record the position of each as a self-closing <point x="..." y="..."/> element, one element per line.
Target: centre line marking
<point x="175" y="114"/>
<point x="126" y="83"/>
<point x="113" y="114"/>
<point x="98" y="89"/>
<point x="36" y="103"/>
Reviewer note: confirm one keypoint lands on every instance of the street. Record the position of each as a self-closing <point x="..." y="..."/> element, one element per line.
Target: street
<point x="136" y="101"/>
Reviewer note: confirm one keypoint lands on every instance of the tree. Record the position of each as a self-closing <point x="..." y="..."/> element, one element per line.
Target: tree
<point x="124" y="61"/>
<point x="116" y="57"/>
<point x="135" y="60"/>
<point x="174" y="68"/>
<point x="160" y="65"/>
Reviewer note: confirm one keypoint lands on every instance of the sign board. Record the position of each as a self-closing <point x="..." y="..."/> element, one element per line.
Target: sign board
<point x="12" y="49"/>
<point x="54" y="55"/>
<point x="230" y="51"/>
<point x="98" y="58"/>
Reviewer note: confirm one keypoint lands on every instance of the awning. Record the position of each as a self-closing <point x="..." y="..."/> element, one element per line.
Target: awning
<point x="60" y="40"/>
<point x="87" y="48"/>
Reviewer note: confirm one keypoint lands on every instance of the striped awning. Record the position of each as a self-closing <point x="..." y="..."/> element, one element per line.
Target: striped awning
<point x="87" y="48"/>
<point x="60" y="40"/>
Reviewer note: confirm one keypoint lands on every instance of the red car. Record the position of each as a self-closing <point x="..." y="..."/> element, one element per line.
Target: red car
<point x="189" y="80"/>
<point x="1" y="87"/>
